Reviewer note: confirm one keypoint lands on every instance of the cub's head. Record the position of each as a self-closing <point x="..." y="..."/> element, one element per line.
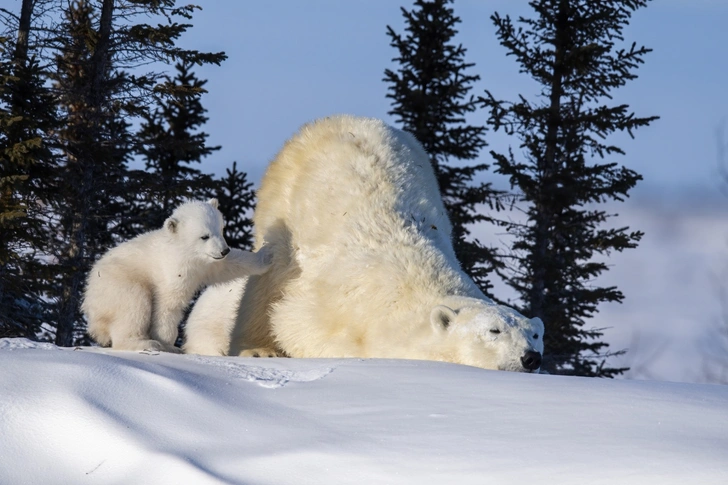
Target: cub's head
<point x="198" y="227"/>
<point x="484" y="334"/>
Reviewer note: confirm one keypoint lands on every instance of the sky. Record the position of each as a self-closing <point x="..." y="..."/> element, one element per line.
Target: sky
<point x="291" y="62"/>
<point x="99" y="416"/>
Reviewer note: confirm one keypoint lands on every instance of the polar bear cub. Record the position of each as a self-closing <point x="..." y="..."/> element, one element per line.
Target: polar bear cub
<point x="137" y="292"/>
<point x="363" y="261"/>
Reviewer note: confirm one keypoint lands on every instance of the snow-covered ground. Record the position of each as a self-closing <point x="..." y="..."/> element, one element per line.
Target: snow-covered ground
<point x="93" y="415"/>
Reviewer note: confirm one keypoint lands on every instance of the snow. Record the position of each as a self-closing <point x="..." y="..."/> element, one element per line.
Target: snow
<point x="91" y="415"/>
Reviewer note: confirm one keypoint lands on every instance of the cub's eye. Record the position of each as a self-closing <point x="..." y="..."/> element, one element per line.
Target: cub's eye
<point x="205" y="237"/>
<point x="535" y="336"/>
<point x="494" y="331"/>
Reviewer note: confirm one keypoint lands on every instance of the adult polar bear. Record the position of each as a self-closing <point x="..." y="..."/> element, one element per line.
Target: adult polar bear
<point x="363" y="261"/>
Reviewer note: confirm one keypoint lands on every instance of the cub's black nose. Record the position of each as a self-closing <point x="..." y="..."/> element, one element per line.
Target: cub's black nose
<point x="531" y="360"/>
<point x="225" y="251"/>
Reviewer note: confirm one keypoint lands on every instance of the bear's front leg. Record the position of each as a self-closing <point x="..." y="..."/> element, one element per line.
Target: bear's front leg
<point x="165" y="328"/>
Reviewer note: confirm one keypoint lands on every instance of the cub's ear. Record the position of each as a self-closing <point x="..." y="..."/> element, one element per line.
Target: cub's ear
<point x="441" y="317"/>
<point x="213" y="202"/>
<point x="171" y="224"/>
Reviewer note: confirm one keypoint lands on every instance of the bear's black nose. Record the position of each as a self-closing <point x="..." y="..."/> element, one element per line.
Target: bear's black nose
<point x="225" y="251"/>
<point x="531" y="360"/>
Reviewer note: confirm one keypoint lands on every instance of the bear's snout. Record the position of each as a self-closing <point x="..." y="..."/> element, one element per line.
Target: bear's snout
<point x="225" y="252"/>
<point x="531" y="360"/>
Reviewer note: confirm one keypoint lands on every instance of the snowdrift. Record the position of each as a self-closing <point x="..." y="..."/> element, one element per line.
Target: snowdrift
<point x="91" y="415"/>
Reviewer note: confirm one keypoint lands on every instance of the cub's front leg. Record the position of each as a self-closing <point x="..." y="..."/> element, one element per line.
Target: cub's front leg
<point x="241" y="263"/>
<point x="165" y="327"/>
<point x="252" y="263"/>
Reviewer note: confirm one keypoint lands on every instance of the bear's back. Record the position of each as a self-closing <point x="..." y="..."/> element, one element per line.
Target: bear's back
<point x="346" y="180"/>
<point x="362" y="243"/>
<point x="135" y="259"/>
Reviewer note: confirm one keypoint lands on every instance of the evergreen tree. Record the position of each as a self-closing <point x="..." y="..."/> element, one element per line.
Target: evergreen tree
<point x="237" y="202"/>
<point x="573" y="49"/>
<point x="77" y="177"/>
<point x="97" y="44"/>
<point x="14" y="302"/>
<point x="429" y="93"/>
<point x="170" y="144"/>
<point x="95" y="146"/>
<point x="27" y="116"/>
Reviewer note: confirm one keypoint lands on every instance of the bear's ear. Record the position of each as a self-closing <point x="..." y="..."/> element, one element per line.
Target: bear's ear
<point x="213" y="202"/>
<point x="441" y="317"/>
<point x="171" y="224"/>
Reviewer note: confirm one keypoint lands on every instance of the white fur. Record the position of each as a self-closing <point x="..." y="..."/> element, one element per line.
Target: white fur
<point x="363" y="261"/>
<point x="137" y="292"/>
<point x="209" y="324"/>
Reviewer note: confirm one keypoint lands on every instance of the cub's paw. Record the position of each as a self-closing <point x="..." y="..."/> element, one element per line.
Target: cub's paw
<point x="253" y="263"/>
<point x="261" y="352"/>
<point x="265" y="256"/>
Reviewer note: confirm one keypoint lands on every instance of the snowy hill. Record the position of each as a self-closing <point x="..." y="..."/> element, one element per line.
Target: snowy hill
<point x="98" y="416"/>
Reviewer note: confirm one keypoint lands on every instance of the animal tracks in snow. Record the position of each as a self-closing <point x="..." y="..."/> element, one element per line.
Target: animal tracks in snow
<point x="264" y="376"/>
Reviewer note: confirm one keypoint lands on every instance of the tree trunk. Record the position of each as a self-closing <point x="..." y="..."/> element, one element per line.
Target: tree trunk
<point x="546" y="168"/>
<point x="20" y="57"/>
<point x="21" y="48"/>
<point x="76" y="255"/>
<point x="100" y="59"/>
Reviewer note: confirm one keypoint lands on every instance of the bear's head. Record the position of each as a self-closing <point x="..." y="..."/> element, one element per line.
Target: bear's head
<point x="484" y="334"/>
<point x="197" y="226"/>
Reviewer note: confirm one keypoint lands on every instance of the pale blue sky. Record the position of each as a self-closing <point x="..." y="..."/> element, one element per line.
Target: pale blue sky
<point x="292" y="61"/>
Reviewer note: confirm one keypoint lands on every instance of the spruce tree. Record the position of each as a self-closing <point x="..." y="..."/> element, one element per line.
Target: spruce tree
<point x="81" y="185"/>
<point x="575" y="50"/>
<point x="237" y="202"/>
<point x="98" y="44"/>
<point x="27" y="117"/>
<point x="94" y="142"/>
<point x="15" y="302"/>
<point x="430" y="98"/>
<point x="170" y="144"/>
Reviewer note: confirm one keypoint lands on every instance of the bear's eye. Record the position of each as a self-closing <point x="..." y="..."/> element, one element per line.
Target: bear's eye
<point x="535" y="336"/>
<point x="494" y="331"/>
<point x="205" y="237"/>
